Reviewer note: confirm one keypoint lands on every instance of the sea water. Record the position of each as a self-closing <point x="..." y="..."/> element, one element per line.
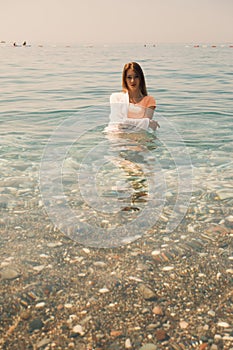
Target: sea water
<point x="107" y="190"/>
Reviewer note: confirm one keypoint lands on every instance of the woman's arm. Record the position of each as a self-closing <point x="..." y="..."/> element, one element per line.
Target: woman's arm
<point x="149" y="112"/>
<point x="138" y="124"/>
<point x="153" y="124"/>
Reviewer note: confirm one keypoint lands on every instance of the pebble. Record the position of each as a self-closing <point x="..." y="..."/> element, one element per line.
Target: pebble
<point x="223" y="324"/>
<point x="152" y="326"/>
<point x="224" y="194"/>
<point x="211" y="313"/>
<point x="136" y="279"/>
<point x="203" y="346"/>
<point x="147" y="293"/>
<point x="115" y="333"/>
<point x="40" y="305"/>
<point x="103" y="290"/>
<point x="191" y="229"/>
<point x="168" y="268"/>
<point x="54" y="244"/>
<point x="128" y="344"/>
<point x="148" y="346"/>
<point x="9" y="273"/>
<point x="99" y="264"/>
<point x="214" y="347"/>
<point x="35" y="324"/>
<point x="72" y="318"/>
<point x="217" y="337"/>
<point x="161" y="335"/>
<point x="78" y="329"/>
<point x="227" y="337"/>
<point x="183" y="324"/>
<point x="25" y="315"/>
<point x="157" y="310"/>
<point x="229" y="221"/>
<point x="39" y="268"/>
<point x="155" y="252"/>
<point x="68" y="305"/>
<point x="44" y="256"/>
<point x="42" y="343"/>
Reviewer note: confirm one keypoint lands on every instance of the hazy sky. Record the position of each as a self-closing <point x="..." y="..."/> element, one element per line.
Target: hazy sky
<point x="106" y="21"/>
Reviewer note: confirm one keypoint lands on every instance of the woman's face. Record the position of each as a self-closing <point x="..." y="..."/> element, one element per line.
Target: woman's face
<point x="132" y="81"/>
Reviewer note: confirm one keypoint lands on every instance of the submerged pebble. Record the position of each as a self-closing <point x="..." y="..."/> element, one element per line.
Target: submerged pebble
<point x="223" y="324"/>
<point x="148" y="346"/>
<point x="9" y="273"/>
<point x="78" y="329"/>
<point x="128" y="344"/>
<point x="168" y="268"/>
<point x="183" y="324"/>
<point x="146" y="292"/>
<point x="103" y="290"/>
<point x="35" y="324"/>
<point x="40" y="305"/>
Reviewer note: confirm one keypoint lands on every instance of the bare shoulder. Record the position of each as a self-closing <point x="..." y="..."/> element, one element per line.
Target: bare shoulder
<point x="149" y="101"/>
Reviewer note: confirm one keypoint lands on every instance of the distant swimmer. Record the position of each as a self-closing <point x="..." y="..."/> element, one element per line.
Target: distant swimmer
<point x="25" y="44"/>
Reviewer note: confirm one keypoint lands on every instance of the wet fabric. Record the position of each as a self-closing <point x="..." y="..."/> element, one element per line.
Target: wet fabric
<point x="120" y="107"/>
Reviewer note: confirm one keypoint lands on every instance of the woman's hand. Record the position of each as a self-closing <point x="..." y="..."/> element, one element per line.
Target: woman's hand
<point x="153" y="124"/>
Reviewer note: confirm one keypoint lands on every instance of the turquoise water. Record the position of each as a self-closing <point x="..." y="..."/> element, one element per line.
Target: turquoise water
<point x="53" y="109"/>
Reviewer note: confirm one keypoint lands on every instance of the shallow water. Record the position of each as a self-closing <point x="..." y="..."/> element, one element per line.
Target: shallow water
<point x="54" y="154"/>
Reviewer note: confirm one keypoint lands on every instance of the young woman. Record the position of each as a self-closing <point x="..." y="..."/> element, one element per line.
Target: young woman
<point x="133" y="108"/>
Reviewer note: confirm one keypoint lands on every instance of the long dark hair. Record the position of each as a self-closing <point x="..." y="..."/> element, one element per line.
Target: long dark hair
<point x="137" y="69"/>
